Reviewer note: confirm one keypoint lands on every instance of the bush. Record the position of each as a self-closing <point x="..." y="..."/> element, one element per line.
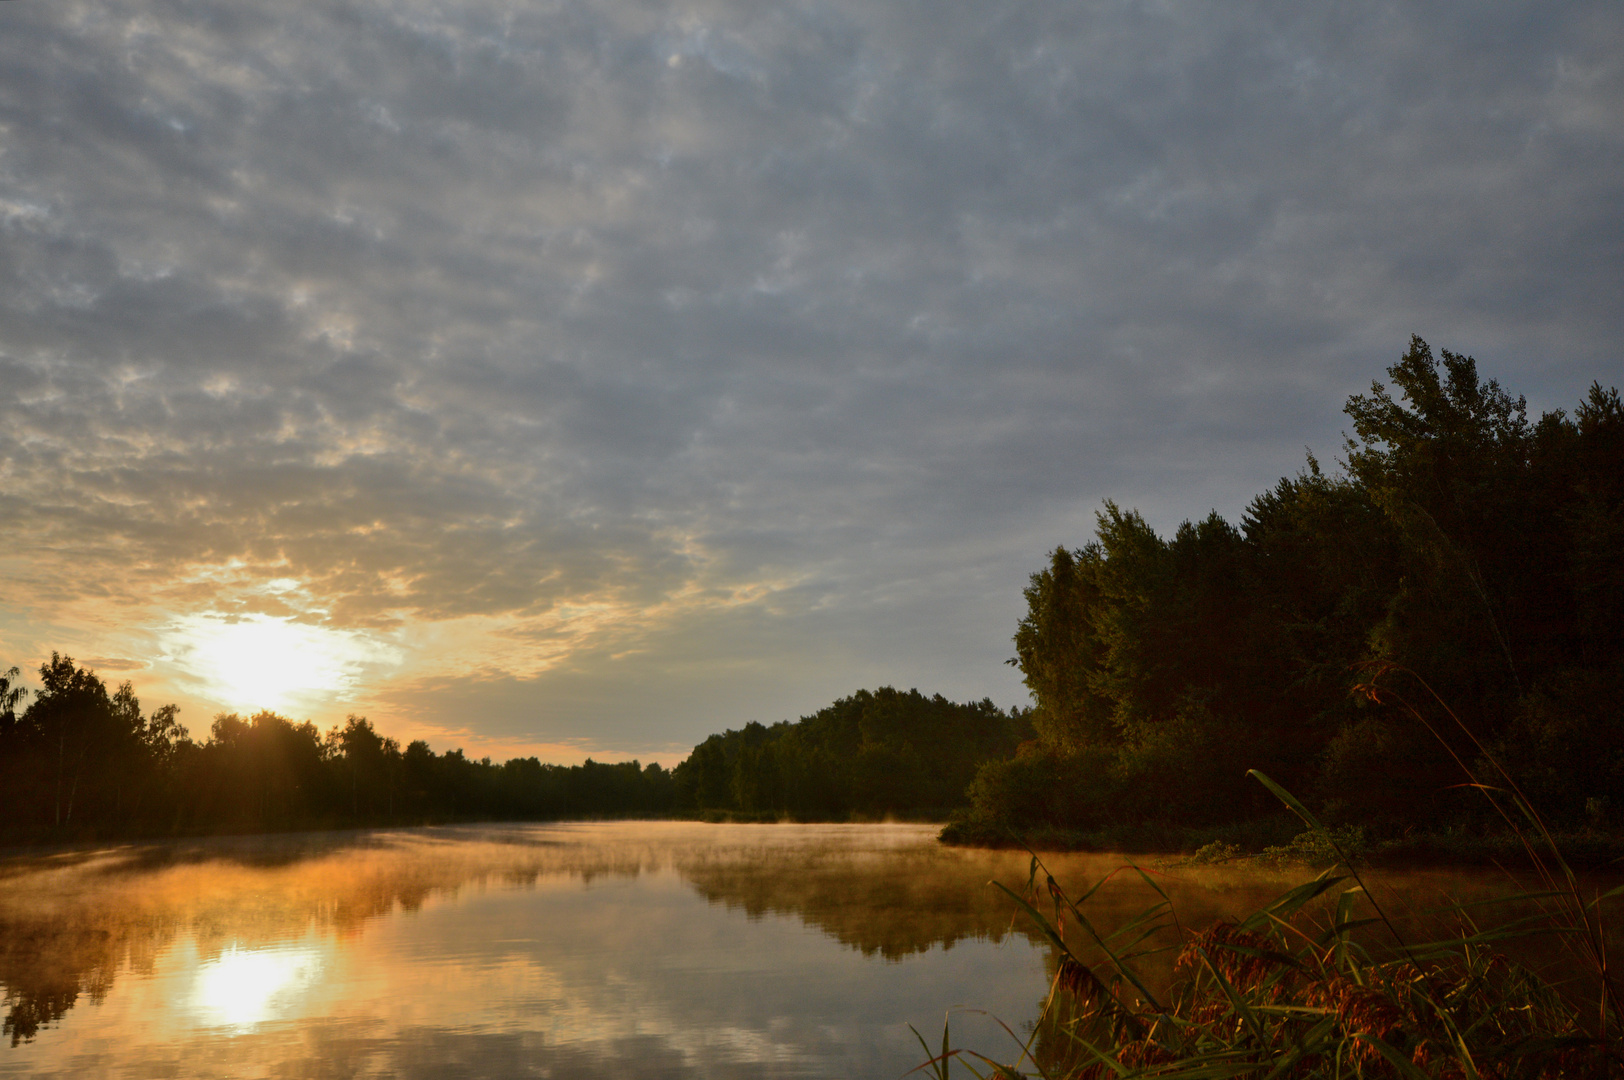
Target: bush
<point x="1565" y="747"/>
<point x="1041" y="786"/>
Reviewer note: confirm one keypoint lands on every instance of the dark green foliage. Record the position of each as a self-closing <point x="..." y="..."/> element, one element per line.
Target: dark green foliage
<point x="78" y="754"/>
<point x="1460" y="541"/>
<point x="871" y="754"/>
<point x="81" y="762"/>
<point x="262" y="772"/>
<point x="1566" y="746"/>
<point x="1060" y="653"/>
<point x="1047" y="786"/>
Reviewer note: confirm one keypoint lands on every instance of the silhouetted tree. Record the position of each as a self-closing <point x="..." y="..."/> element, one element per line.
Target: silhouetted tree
<point x="1461" y="541"/>
<point x="876" y="752"/>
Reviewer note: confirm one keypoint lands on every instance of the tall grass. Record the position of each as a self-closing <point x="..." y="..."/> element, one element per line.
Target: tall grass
<point x="1322" y="983"/>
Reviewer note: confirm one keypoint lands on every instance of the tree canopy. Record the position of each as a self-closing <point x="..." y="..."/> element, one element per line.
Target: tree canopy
<point x="81" y="761"/>
<point x="1459" y="541"/>
<point x="874" y="753"/>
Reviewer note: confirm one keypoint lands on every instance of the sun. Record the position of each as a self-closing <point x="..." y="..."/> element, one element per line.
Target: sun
<point x="256" y="662"/>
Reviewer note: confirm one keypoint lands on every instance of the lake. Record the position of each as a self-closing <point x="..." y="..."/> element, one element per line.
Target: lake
<point x="642" y="949"/>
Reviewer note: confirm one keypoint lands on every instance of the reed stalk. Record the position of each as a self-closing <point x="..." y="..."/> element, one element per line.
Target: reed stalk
<point x="1310" y="986"/>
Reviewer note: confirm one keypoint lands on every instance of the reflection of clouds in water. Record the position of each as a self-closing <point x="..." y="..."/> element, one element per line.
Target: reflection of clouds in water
<point x="636" y="949"/>
<point x="584" y="948"/>
<point x="245" y="987"/>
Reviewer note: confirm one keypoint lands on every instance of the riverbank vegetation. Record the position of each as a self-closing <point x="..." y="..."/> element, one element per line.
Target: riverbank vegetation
<point x="1323" y="983"/>
<point x="1430" y="643"/>
<point x="1462" y="554"/>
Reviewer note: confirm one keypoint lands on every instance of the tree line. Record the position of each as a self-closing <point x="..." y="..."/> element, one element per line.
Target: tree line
<point x="871" y="754"/>
<point x="1459" y="545"/>
<point x="82" y="761"/>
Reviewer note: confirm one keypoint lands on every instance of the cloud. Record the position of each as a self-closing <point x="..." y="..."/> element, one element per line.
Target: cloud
<point x="595" y="328"/>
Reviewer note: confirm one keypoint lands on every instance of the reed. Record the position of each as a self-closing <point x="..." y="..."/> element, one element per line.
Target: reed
<point x="1321" y="982"/>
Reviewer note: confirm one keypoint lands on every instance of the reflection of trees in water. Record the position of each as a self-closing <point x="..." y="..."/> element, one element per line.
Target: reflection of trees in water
<point x="900" y="903"/>
<point x="894" y="904"/>
<point x="71" y="924"/>
<point x="49" y="959"/>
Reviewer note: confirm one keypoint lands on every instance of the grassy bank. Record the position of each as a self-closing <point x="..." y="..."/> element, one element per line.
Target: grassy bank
<point x="1321" y="983"/>
<point x="1317" y="984"/>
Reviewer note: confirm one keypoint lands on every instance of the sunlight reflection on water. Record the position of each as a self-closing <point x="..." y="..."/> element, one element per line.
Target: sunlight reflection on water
<point x="244" y="987"/>
<point x="667" y="949"/>
<point x="655" y="949"/>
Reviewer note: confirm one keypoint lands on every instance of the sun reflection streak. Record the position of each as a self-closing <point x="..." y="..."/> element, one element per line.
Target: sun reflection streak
<point x="244" y="987"/>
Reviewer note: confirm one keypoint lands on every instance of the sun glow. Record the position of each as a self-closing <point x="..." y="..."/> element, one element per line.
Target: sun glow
<point x="244" y="987"/>
<point x="262" y="662"/>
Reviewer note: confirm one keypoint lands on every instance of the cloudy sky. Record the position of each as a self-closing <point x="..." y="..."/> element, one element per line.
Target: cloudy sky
<point x="587" y="376"/>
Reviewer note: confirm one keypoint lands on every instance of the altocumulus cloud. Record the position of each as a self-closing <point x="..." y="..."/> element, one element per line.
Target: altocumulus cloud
<point x="594" y="375"/>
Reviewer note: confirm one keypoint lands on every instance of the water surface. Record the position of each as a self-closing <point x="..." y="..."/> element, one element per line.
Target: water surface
<point x="662" y="949"/>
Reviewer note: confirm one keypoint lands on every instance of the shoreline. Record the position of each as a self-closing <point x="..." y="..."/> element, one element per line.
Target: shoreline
<point x="1261" y="843"/>
<point x="1589" y="849"/>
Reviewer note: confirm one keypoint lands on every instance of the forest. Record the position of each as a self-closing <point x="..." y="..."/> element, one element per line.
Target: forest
<point x="1366" y="637"/>
<point x="82" y="762"/>
<point x="872" y="754"/>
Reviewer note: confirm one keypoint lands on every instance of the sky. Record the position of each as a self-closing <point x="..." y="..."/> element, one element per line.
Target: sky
<point x="584" y="377"/>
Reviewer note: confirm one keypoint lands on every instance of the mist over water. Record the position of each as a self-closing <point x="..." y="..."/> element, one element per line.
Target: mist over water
<point x="644" y="949"/>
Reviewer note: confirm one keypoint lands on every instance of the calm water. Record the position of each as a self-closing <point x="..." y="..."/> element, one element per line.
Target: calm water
<point x="639" y="949"/>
